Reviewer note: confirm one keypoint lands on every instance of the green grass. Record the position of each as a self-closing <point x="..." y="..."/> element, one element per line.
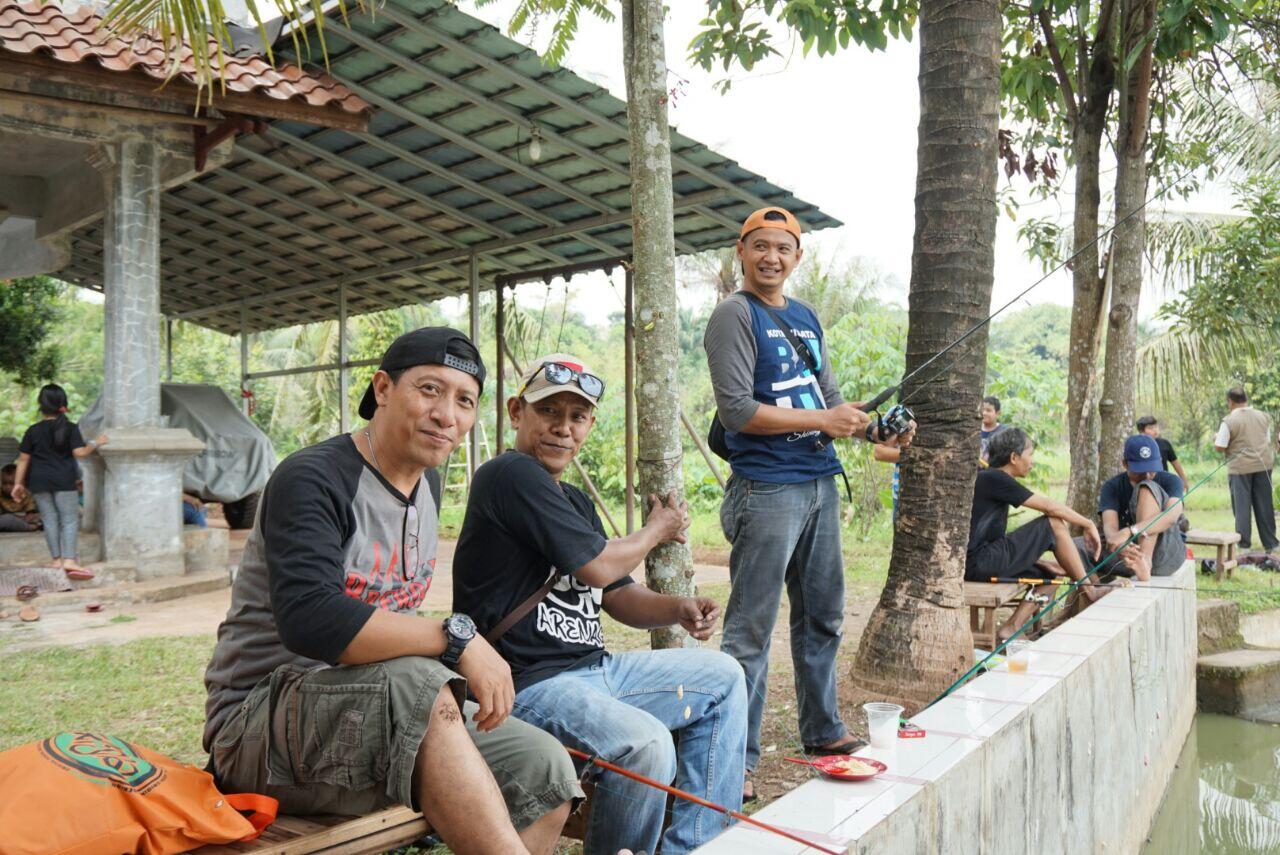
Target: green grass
<point x="149" y="691"/>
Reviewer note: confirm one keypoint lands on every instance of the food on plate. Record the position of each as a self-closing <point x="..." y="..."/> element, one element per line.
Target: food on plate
<point x="852" y="766"/>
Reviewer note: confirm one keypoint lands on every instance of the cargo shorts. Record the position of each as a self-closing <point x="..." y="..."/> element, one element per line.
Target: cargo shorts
<point x="345" y="740"/>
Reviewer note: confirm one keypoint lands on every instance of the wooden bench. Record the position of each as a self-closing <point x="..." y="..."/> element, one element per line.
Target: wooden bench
<point x="362" y="835"/>
<point x="332" y="835"/>
<point x="1225" y="541"/>
<point x="984" y="599"/>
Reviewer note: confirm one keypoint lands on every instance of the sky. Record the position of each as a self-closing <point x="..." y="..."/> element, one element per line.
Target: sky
<point x="838" y="131"/>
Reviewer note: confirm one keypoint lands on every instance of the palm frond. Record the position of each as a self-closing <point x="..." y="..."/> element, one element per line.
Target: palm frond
<point x="1179" y="358"/>
<point x="1174" y="243"/>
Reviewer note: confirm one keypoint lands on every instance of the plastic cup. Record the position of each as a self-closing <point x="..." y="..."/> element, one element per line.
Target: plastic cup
<point x="1019" y="653"/>
<point x="882" y="723"/>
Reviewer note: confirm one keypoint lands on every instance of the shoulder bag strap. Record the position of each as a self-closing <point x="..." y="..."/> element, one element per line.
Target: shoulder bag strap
<point x="802" y="350"/>
<point x="521" y="610"/>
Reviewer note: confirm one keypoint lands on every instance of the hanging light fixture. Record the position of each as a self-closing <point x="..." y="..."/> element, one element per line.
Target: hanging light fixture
<point x="535" y="144"/>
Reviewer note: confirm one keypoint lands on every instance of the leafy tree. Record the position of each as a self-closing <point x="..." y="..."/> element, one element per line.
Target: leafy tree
<point x="28" y="312"/>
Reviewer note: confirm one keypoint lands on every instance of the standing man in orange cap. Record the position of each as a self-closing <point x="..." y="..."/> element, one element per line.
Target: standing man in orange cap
<point x="781" y="407"/>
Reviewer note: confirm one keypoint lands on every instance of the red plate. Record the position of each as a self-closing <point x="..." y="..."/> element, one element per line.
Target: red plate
<point x="830" y="766"/>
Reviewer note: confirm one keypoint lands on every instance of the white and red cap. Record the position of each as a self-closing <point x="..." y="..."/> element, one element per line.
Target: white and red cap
<point x="535" y="385"/>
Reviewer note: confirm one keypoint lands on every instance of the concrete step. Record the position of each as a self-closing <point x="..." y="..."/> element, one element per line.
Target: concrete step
<point x="151" y="591"/>
<point x="1218" y="626"/>
<point x="1238" y="682"/>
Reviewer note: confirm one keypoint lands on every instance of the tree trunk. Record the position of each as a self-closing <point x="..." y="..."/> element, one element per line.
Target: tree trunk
<point x="669" y="568"/>
<point x="917" y="641"/>
<point x="1088" y="287"/>
<point x="1116" y="409"/>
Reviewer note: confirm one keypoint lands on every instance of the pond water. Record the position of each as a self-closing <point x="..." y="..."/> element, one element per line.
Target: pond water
<point x="1224" y="798"/>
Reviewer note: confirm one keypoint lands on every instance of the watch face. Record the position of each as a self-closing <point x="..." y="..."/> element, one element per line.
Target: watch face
<point x="461" y="626"/>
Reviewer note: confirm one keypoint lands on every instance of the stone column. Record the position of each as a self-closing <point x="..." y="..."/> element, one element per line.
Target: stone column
<point x="139" y="511"/>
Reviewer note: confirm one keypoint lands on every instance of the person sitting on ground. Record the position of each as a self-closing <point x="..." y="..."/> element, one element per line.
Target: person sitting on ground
<point x="996" y="554"/>
<point x="1129" y="502"/>
<point x="990" y="425"/>
<point x="15" y="514"/>
<point x="1149" y="426"/>
<point x="47" y="470"/>
<point x="530" y="537"/>
<point x="193" y="511"/>
<point x="326" y="689"/>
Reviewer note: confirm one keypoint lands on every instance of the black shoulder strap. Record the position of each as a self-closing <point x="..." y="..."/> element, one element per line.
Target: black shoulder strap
<point x="436" y="485"/>
<point x="802" y="350"/>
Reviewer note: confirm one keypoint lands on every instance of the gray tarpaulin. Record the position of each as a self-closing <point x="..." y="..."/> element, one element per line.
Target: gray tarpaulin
<point x="237" y="459"/>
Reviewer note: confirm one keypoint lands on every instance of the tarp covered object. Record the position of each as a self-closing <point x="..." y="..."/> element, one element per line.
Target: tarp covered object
<point x="237" y="457"/>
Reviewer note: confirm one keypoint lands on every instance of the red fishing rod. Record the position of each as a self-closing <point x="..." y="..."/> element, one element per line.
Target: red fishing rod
<point x="690" y="797"/>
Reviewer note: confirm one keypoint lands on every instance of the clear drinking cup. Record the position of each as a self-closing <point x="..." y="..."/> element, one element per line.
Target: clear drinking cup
<point x="882" y="723"/>
<point x="1019" y="653"/>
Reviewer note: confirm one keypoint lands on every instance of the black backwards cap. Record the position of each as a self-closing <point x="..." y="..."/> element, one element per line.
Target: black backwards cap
<point x="426" y="346"/>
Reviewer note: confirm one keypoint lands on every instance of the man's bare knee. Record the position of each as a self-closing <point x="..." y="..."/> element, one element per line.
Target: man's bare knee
<point x="445" y="710"/>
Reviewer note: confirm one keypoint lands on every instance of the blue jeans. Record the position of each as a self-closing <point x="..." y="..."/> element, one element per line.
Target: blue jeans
<point x="60" y="513"/>
<point x="623" y="709"/>
<point x="191" y="516"/>
<point x="786" y="534"/>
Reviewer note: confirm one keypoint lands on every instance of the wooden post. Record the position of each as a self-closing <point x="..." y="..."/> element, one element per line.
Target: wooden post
<point x="500" y="335"/>
<point x="343" y="357"/>
<point x="473" y="273"/>
<point x="168" y="349"/>
<point x="702" y="447"/>
<point x="244" y="359"/>
<point x="629" y="391"/>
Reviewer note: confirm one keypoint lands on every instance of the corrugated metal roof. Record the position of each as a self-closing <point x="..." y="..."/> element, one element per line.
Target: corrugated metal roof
<point x="77" y="37"/>
<point x="393" y="214"/>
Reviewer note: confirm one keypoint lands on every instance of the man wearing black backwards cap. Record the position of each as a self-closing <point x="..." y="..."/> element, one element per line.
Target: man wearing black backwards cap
<point x="326" y="690"/>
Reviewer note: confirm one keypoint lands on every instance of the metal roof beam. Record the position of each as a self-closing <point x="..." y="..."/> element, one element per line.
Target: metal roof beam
<point x="394" y="10"/>
<point x="482" y="248"/>
<point x="479" y="99"/>
<point x="341" y="162"/>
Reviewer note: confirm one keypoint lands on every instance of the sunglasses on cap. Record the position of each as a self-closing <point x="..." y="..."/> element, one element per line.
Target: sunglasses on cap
<point x="559" y="374"/>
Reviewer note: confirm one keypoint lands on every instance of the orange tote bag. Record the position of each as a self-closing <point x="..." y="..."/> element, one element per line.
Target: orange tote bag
<point x="92" y="794"/>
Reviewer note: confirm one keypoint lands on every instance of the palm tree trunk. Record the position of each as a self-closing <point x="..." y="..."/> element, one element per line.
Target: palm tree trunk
<point x="917" y="641"/>
<point x="669" y="568"/>
<point x="1116" y="409"/>
<point x="1088" y="287"/>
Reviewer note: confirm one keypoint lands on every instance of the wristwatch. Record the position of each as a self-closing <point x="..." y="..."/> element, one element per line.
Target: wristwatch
<point x="459" y="630"/>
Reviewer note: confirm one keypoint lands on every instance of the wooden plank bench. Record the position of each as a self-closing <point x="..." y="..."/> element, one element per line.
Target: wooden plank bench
<point x="1225" y="541"/>
<point x="984" y="599"/>
<point x="362" y="835"/>
<point x="332" y="835"/>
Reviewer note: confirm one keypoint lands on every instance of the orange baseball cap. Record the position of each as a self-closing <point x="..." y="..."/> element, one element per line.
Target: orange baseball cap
<point x="757" y="220"/>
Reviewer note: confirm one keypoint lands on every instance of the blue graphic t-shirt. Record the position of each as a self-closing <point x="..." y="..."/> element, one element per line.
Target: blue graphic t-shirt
<point x="779" y="378"/>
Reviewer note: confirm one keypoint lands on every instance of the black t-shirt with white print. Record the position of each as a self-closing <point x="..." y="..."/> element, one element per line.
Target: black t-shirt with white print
<point x="522" y="526"/>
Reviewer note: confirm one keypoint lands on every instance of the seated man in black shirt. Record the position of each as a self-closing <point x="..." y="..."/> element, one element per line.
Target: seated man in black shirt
<point x="1131" y="501"/>
<point x="995" y="554"/>
<point x="531" y="538"/>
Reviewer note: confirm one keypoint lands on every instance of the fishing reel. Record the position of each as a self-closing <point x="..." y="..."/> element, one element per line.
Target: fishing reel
<point x="895" y="422"/>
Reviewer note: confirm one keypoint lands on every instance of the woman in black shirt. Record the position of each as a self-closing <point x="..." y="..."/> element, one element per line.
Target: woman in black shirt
<point x="47" y="470"/>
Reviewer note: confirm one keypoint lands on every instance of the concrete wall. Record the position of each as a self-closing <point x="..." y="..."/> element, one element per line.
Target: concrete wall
<point x="1073" y="756"/>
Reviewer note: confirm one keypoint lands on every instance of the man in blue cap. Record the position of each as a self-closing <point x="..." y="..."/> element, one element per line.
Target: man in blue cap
<point x="1130" y="501"/>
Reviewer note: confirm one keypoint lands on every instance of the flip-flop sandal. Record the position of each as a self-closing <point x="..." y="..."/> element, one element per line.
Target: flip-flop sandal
<point x="79" y="574"/>
<point x="26" y="592"/>
<point x="843" y="748"/>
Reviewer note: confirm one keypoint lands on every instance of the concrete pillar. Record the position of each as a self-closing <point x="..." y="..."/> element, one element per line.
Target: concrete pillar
<point x="140" y="512"/>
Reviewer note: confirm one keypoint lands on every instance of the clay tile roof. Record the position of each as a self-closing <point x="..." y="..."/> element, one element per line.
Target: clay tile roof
<point x="42" y="27"/>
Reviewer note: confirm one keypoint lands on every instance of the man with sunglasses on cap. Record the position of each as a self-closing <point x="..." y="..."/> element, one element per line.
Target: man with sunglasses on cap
<point x="534" y="568"/>
<point x="326" y="690"/>
<point x="780" y="405"/>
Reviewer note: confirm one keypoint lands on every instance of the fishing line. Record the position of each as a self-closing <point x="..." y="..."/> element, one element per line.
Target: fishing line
<point x="885" y="395"/>
<point x="1074" y="586"/>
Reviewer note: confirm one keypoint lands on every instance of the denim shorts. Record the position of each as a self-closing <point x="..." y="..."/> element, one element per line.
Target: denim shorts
<point x="345" y="740"/>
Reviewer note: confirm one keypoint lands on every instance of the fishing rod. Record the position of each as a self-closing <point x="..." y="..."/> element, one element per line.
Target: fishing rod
<point x="1075" y="585"/>
<point x="591" y="759"/>
<point x="899" y="416"/>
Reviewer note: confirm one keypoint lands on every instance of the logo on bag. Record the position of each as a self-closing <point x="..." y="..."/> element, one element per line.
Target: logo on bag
<point x="102" y="759"/>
